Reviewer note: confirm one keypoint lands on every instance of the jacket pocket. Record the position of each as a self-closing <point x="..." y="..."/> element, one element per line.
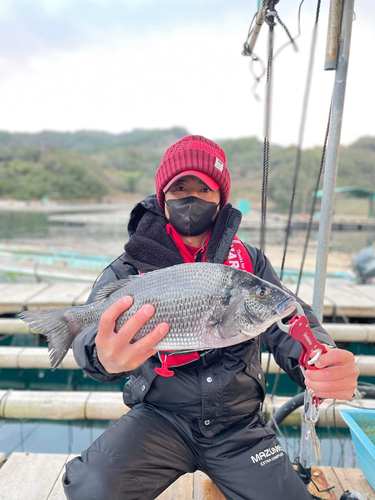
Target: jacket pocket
<point x="136" y="389"/>
<point x="254" y="370"/>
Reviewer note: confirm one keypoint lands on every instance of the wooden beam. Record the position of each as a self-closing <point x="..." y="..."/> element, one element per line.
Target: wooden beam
<point x="340" y="332"/>
<point x="108" y="405"/>
<point x="37" y="358"/>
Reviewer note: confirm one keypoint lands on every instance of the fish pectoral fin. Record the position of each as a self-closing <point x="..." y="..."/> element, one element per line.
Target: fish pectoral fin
<point x="228" y="326"/>
<point x="107" y="290"/>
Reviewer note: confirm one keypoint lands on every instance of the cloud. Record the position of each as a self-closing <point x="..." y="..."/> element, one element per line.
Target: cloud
<point x="42" y="27"/>
<point x="114" y="66"/>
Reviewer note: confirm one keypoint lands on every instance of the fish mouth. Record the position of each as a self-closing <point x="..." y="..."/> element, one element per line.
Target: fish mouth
<point x="286" y="307"/>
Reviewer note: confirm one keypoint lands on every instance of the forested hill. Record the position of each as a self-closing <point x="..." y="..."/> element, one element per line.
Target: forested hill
<point x="95" y="165"/>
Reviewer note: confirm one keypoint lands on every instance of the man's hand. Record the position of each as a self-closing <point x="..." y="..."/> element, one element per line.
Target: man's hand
<point x="115" y="352"/>
<point x="337" y="375"/>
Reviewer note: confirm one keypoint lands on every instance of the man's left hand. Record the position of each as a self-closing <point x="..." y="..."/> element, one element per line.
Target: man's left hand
<point x="337" y="375"/>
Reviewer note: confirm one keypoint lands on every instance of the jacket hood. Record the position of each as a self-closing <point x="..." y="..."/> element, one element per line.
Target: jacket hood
<point x="148" y="204"/>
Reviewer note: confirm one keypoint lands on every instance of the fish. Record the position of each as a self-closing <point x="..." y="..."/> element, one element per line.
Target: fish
<point x="207" y="306"/>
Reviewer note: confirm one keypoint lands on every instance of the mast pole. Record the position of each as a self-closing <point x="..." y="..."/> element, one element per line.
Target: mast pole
<point x="331" y="163"/>
<point x="258" y="24"/>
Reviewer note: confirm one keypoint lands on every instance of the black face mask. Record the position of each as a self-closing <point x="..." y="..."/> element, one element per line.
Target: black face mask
<point x="191" y="216"/>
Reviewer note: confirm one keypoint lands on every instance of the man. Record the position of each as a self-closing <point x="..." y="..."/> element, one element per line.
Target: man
<point x="206" y="416"/>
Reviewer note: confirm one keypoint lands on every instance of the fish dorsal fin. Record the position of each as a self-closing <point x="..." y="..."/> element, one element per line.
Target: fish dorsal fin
<point x="228" y="326"/>
<point x="107" y="290"/>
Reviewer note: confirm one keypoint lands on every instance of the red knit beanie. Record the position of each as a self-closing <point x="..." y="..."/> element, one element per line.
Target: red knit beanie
<point x="194" y="154"/>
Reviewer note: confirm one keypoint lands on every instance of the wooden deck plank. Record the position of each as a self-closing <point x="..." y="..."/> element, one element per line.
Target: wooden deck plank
<point x="348" y="299"/>
<point x="367" y="290"/>
<point x="354" y="480"/>
<point x="15" y="296"/>
<point x="181" y="489"/>
<point x="342" y="297"/>
<point x="57" y="492"/>
<point x="324" y="477"/>
<point x="205" y="489"/>
<point x="39" y="477"/>
<point x="306" y="292"/>
<point x="30" y="475"/>
<point x="58" y="295"/>
<point x="82" y="299"/>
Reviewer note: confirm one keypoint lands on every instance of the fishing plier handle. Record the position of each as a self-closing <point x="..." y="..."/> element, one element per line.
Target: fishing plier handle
<point x="299" y="329"/>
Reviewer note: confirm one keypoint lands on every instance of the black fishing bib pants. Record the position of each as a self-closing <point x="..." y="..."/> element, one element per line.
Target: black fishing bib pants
<point x="147" y="449"/>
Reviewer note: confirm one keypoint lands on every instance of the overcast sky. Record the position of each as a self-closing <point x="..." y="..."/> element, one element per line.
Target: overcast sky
<point x="116" y="65"/>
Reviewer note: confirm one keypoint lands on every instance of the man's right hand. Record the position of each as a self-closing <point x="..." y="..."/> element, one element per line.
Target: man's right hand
<point x="115" y="352"/>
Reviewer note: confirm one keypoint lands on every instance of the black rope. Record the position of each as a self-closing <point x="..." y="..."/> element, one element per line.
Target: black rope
<point x="301" y="135"/>
<point x="246" y="48"/>
<point x="267" y="370"/>
<point x="291" y="39"/>
<point x="268" y="6"/>
<point x="255" y="58"/>
<point x="296" y="36"/>
<point x="268" y="11"/>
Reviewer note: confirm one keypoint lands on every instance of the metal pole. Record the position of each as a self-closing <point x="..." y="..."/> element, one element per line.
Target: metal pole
<point x="333" y="35"/>
<point x="332" y="157"/>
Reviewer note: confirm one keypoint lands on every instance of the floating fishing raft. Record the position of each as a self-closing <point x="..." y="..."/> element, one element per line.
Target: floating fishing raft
<point x="343" y="298"/>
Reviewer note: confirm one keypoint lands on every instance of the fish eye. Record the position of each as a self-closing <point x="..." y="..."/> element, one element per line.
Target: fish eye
<point x="262" y="292"/>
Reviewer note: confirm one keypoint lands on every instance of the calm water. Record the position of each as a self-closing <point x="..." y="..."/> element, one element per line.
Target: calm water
<point x="28" y="228"/>
<point x="75" y="436"/>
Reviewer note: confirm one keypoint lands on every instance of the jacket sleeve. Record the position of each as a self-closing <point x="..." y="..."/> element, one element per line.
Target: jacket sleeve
<point x="84" y="348"/>
<point x="285" y="350"/>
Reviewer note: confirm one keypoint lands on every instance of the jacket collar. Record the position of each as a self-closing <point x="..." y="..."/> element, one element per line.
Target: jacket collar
<point x="150" y="247"/>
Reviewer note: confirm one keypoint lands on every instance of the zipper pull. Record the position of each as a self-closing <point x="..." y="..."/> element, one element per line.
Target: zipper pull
<point x="163" y="371"/>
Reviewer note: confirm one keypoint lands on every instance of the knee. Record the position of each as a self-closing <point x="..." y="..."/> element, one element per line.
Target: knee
<point x="91" y="476"/>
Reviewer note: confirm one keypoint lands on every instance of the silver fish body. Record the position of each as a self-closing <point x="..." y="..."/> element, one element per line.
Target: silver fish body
<point x="206" y="306"/>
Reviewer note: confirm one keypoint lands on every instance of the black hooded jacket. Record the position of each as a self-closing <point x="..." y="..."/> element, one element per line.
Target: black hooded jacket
<point x="222" y="386"/>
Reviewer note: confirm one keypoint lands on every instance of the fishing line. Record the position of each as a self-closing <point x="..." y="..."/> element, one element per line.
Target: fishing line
<point x="341" y="443"/>
<point x="313" y="205"/>
<point x="23" y="438"/>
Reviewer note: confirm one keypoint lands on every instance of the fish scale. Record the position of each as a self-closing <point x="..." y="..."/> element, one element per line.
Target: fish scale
<point x="206" y="306"/>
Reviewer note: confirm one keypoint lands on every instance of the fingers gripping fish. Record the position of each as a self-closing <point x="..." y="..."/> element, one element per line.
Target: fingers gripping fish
<point x="206" y="306"/>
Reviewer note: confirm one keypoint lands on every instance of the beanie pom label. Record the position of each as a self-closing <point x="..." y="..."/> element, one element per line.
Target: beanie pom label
<point x="219" y="164"/>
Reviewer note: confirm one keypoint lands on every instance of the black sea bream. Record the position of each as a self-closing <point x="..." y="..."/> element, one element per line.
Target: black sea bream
<point x="206" y="305"/>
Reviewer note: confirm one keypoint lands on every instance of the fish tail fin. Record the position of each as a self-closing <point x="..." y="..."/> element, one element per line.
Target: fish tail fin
<point x="58" y="325"/>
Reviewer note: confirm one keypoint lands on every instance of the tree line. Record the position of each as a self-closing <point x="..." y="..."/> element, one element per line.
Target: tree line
<point x="90" y="165"/>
